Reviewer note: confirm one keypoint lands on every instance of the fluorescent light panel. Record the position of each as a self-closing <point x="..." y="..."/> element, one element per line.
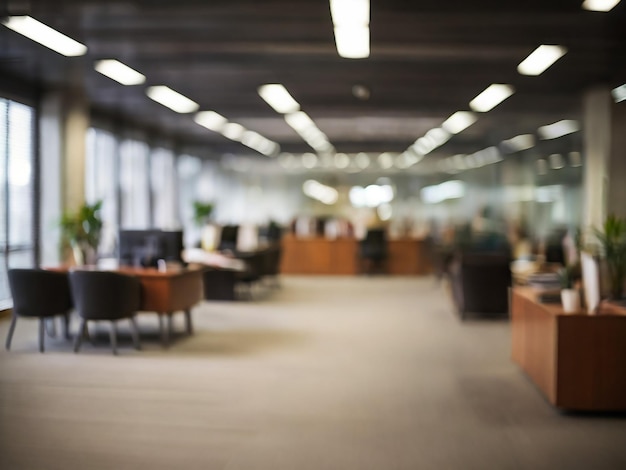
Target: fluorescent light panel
<point x="119" y="72"/>
<point x="599" y="5"/>
<point x="45" y="35"/>
<point x="540" y="59"/>
<point x="459" y="121"/>
<point x="211" y="120"/>
<point x="353" y="42"/>
<point x="558" y="129"/>
<point x="277" y="96"/>
<point x="351" y="21"/>
<point x="492" y="96"/>
<point x="172" y="99"/>
<point x="619" y="93"/>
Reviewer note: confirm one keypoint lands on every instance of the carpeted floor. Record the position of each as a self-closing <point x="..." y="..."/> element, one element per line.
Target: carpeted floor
<point x="326" y="373"/>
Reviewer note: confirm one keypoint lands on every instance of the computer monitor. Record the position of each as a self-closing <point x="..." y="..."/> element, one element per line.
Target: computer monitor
<point x="146" y="247"/>
<point x="228" y="238"/>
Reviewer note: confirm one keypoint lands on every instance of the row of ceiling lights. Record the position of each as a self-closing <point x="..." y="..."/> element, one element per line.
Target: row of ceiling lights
<point x="351" y="26"/>
<point x="125" y="75"/>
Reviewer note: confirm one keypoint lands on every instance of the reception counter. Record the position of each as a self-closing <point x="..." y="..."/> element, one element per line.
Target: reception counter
<point x="576" y="360"/>
<point x="318" y="255"/>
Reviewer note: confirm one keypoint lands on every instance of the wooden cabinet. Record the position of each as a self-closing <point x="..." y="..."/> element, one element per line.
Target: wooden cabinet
<point x="577" y="360"/>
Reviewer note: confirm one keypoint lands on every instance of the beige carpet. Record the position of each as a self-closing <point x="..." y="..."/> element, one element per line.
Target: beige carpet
<point x="327" y="373"/>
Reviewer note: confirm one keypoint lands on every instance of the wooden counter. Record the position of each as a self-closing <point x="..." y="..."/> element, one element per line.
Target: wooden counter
<point x="322" y="256"/>
<point x="577" y="360"/>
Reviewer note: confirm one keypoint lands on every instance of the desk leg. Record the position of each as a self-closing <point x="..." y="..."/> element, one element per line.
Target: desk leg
<point x="170" y="323"/>
<point x="165" y="340"/>
<point x="188" y="322"/>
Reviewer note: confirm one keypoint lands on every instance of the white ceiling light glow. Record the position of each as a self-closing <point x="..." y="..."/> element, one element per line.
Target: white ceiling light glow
<point x="277" y="96"/>
<point x="558" y="129"/>
<point x="211" y="120"/>
<point x="351" y="20"/>
<point x="45" y="35"/>
<point x="492" y="96"/>
<point x="119" y="72"/>
<point x="600" y="5"/>
<point x="540" y="59"/>
<point x="233" y="131"/>
<point x="321" y="192"/>
<point x="519" y="143"/>
<point x="619" y="93"/>
<point x="172" y="99"/>
<point x="459" y="121"/>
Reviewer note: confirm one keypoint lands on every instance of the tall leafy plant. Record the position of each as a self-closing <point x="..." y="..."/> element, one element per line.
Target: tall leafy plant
<point x="81" y="230"/>
<point x="612" y="239"/>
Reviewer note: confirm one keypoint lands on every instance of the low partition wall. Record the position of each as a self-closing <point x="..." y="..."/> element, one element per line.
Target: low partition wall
<point x="318" y="255"/>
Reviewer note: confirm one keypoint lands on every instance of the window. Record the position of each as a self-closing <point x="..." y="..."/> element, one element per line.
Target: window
<point x="101" y="183"/>
<point x="16" y="189"/>
<point x="134" y="184"/>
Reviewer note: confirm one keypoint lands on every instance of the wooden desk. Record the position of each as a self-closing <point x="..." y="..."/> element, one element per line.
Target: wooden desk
<point x="578" y="361"/>
<point x="318" y="255"/>
<point x="165" y="293"/>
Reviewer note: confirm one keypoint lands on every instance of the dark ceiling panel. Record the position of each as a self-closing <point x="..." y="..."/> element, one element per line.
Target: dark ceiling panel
<point x="428" y="60"/>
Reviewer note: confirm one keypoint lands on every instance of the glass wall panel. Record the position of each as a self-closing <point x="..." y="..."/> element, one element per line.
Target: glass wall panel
<point x="16" y="190"/>
<point x="134" y="184"/>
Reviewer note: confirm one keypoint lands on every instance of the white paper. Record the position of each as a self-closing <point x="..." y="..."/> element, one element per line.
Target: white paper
<point x="591" y="281"/>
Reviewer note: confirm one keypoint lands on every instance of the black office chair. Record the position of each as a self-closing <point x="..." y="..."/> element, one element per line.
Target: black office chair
<point x="40" y="294"/>
<point x="102" y="295"/>
<point x="373" y="251"/>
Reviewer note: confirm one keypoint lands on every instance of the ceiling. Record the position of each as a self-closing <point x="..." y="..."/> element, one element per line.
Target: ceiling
<point x="428" y="60"/>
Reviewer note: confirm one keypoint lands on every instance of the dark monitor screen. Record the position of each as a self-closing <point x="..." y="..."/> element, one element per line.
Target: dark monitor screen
<point x="146" y="247"/>
<point x="228" y="237"/>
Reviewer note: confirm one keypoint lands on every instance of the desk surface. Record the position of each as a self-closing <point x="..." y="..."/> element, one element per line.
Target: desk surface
<point x="163" y="291"/>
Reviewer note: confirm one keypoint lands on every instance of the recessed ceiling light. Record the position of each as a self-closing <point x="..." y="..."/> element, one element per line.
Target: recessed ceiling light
<point x="619" y="93"/>
<point x="520" y="142"/>
<point x="491" y="97"/>
<point x="172" y="99"/>
<point x="119" y="72"/>
<point x="540" y="59"/>
<point x="211" y="120"/>
<point x="558" y="129"/>
<point x="233" y="131"/>
<point x="277" y="96"/>
<point x="599" y="5"/>
<point x="45" y="35"/>
<point x="459" y="121"/>
<point x="351" y="21"/>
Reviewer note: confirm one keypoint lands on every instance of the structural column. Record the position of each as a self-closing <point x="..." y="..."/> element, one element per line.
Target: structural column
<point x="605" y="157"/>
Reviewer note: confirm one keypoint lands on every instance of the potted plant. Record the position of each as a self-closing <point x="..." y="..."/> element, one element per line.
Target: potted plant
<point x="81" y="231"/>
<point x="570" y="297"/>
<point x="612" y="239"/>
<point x="202" y="212"/>
<point x="208" y="233"/>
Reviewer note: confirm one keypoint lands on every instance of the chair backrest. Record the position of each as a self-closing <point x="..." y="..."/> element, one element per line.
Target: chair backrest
<point x="39" y="293"/>
<point x="374" y="244"/>
<point x="104" y="295"/>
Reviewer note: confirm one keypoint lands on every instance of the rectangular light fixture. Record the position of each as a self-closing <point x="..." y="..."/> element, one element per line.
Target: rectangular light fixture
<point x="45" y="35"/>
<point x="492" y="96"/>
<point x="353" y="42"/>
<point x="540" y="59"/>
<point x="619" y="93"/>
<point x="599" y="5"/>
<point x="351" y="20"/>
<point x="277" y="96"/>
<point x="211" y="120"/>
<point x="300" y="121"/>
<point x="172" y="99"/>
<point x="459" y="121"/>
<point x="519" y="143"/>
<point x="558" y="129"/>
<point x="233" y="131"/>
<point x="119" y="72"/>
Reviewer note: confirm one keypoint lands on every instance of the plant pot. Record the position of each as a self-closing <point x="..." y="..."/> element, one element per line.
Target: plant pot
<point x="84" y="254"/>
<point x="570" y="299"/>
